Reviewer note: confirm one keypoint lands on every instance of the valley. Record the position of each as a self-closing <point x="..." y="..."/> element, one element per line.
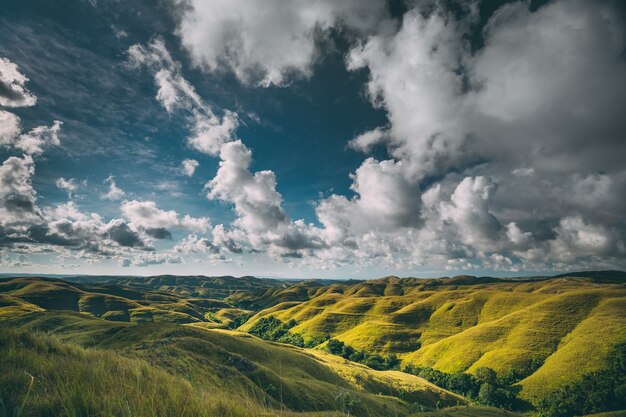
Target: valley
<point x="169" y="345"/>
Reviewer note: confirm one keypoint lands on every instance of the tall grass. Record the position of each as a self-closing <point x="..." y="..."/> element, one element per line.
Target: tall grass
<point x="41" y="376"/>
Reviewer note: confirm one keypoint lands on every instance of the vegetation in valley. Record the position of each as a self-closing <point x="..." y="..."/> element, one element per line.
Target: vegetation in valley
<point x="373" y="360"/>
<point x="166" y="345"/>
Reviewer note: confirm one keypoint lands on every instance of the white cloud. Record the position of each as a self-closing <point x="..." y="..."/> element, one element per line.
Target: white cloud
<point x="195" y="244"/>
<point x="114" y="192"/>
<point x="70" y="186"/>
<point x="366" y="140"/>
<point x="261" y="221"/>
<point x="13" y="92"/>
<point x="270" y="42"/>
<point x="469" y="210"/>
<point x="145" y="215"/>
<point x="578" y="238"/>
<point x="533" y="114"/>
<point x="209" y="131"/>
<point x="254" y="195"/>
<point x="9" y="128"/>
<point x="39" y="138"/>
<point x="189" y="166"/>
<point x="17" y="195"/>
<point x="542" y="128"/>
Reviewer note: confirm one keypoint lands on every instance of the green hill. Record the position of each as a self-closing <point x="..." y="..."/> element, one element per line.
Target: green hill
<point x="548" y="332"/>
<point x="61" y="337"/>
<point x="117" y="302"/>
<point x="160" y="346"/>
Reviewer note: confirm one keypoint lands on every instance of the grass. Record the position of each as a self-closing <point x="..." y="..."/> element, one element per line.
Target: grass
<point x="153" y="369"/>
<point x="547" y="331"/>
<point x="44" y="376"/>
<point x="468" y="411"/>
<point x="550" y="331"/>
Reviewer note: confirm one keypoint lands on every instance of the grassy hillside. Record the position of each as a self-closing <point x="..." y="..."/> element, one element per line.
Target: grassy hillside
<point x="549" y="332"/>
<point x="116" y="302"/>
<point x="560" y="341"/>
<point x="80" y="363"/>
<point x="189" y="286"/>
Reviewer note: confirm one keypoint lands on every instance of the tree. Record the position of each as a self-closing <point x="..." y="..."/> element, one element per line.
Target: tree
<point x="486" y="376"/>
<point x="335" y="346"/>
<point x="487" y="394"/>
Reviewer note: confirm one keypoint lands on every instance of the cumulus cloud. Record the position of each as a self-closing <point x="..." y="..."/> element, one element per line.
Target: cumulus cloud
<point x="13" y="92"/>
<point x="261" y="221"/>
<point x="9" y="128"/>
<point x="469" y="210"/>
<point x="254" y="195"/>
<point x="193" y="244"/>
<point x="504" y="155"/>
<point x="64" y="229"/>
<point x="268" y="43"/>
<point x="145" y="215"/>
<point x="531" y="114"/>
<point x="114" y="192"/>
<point x="189" y="166"/>
<point x="208" y="131"/>
<point x="17" y="195"/>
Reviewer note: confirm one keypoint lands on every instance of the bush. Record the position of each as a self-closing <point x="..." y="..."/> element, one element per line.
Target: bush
<point x="270" y="328"/>
<point x="373" y="360"/>
<point x="484" y="387"/>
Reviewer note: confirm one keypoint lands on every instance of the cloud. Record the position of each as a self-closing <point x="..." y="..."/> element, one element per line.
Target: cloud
<point x="114" y="193"/>
<point x="70" y="186"/>
<point x="193" y="244"/>
<point x="121" y="233"/>
<point x="504" y="154"/>
<point x="145" y="215"/>
<point x="13" y="92"/>
<point x="188" y="167"/>
<point x="261" y="221"/>
<point x="385" y="199"/>
<point x="254" y="194"/>
<point x="366" y="141"/>
<point x="17" y="195"/>
<point x="9" y="128"/>
<point x="39" y="138"/>
<point x="532" y="114"/>
<point x="269" y="43"/>
<point x="469" y="210"/>
<point x="208" y="131"/>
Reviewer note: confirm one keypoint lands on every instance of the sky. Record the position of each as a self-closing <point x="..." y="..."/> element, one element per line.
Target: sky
<point x="312" y="138"/>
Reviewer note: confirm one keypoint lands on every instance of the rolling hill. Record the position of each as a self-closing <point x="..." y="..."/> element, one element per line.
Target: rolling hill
<point x="53" y="332"/>
<point x="158" y="344"/>
<point x="548" y="331"/>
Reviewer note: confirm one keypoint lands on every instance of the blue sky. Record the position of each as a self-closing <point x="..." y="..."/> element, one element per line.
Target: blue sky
<point x="427" y="138"/>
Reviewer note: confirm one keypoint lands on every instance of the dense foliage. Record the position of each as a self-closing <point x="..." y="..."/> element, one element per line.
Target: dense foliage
<point x="373" y="360"/>
<point x="484" y="386"/>
<point x="270" y="328"/>
<point x="595" y="392"/>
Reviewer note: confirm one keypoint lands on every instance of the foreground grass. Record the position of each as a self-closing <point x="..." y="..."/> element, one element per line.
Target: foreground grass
<point x="42" y="376"/>
<point x="94" y="367"/>
<point x="469" y="411"/>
